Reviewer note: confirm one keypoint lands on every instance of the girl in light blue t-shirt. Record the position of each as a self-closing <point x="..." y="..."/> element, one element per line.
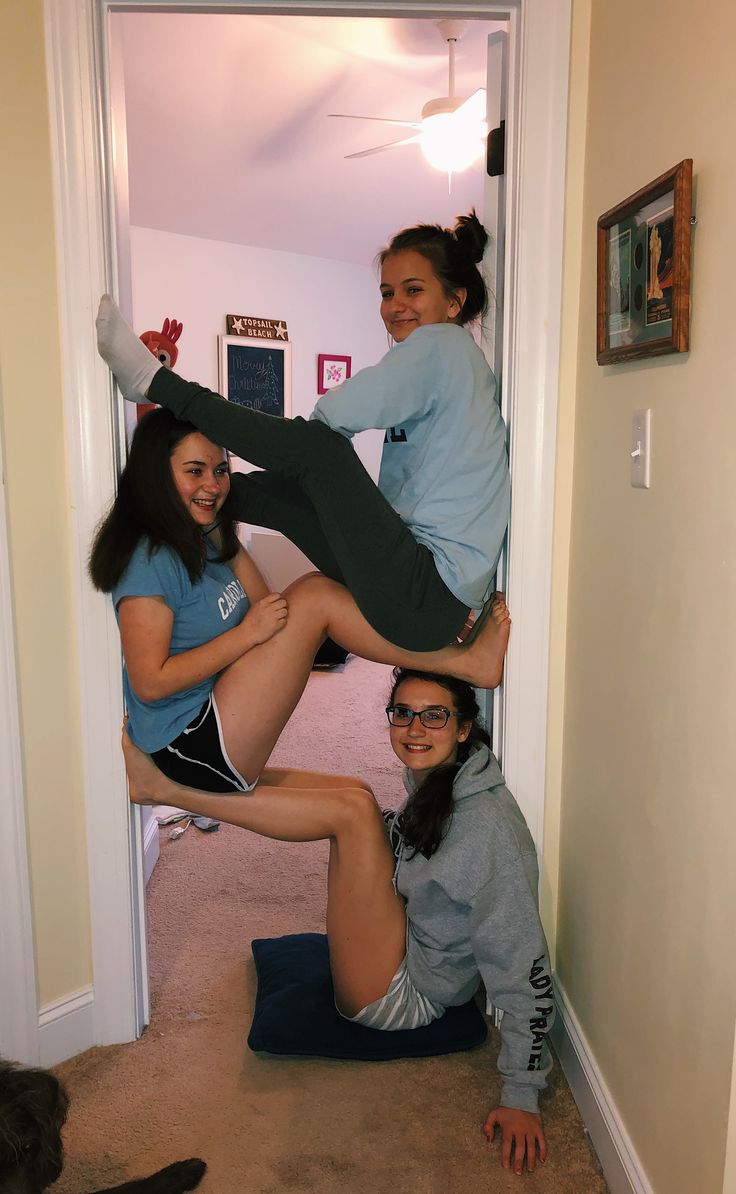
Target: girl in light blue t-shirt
<point x="214" y="662"/>
<point x="419" y="551"/>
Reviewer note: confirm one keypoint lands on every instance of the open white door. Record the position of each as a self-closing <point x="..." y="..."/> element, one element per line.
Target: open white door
<point x="492" y="338"/>
<point x="494" y="206"/>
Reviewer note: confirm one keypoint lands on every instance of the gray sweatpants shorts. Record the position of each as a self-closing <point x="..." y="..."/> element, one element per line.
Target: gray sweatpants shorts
<point x="401" y="1007"/>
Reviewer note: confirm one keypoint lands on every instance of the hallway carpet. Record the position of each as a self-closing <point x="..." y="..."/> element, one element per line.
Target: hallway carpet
<point x="190" y="1087"/>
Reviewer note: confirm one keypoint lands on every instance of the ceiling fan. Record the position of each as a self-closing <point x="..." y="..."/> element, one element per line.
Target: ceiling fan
<point x="452" y="129"/>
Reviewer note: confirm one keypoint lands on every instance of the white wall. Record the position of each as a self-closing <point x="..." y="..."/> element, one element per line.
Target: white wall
<point x="328" y="306"/>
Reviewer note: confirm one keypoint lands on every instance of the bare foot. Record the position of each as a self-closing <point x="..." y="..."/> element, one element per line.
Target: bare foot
<point x="146" y="784"/>
<point x="484" y="651"/>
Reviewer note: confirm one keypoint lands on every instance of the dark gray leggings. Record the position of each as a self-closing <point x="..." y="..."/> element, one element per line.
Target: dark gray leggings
<point x="316" y="491"/>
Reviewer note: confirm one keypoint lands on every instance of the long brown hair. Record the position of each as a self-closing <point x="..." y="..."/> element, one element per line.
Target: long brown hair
<point x="428" y="811"/>
<point x="147" y="505"/>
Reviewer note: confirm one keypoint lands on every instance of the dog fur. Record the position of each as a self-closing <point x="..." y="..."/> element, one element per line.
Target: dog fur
<point x="33" y="1108"/>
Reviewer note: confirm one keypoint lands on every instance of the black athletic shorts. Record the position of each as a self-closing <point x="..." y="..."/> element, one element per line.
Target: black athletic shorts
<point x="197" y="758"/>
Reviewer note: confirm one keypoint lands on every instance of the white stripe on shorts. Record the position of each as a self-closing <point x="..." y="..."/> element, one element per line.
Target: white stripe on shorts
<point x="401" y="1007"/>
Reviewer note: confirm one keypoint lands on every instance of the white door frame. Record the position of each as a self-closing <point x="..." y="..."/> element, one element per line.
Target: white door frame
<point x="536" y="139"/>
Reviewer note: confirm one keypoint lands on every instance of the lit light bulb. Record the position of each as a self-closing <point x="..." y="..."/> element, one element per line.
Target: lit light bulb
<point x="451" y="143"/>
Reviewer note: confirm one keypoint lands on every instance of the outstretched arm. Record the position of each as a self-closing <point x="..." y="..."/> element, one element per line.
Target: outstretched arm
<point x="509" y="946"/>
<point x="400" y="387"/>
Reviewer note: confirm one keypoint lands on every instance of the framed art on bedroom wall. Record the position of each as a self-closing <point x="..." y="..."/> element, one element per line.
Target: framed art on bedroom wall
<point x="332" y="371"/>
<point x="256" y="373"/>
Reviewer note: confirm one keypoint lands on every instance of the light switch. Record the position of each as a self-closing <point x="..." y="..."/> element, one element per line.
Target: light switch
<point x="641" y="426"/>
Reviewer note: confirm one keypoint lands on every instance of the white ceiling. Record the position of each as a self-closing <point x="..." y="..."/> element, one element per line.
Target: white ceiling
<point x="229" y="138"/>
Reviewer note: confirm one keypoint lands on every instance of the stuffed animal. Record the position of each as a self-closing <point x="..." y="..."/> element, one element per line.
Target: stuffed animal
<point x="163" y="346"/>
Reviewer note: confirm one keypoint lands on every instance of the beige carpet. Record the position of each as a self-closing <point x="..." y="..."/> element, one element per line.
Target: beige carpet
<point x="190" y="1086"/>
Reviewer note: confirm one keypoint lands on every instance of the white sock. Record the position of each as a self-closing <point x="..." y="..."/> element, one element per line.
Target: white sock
<point x="129" y="359"/>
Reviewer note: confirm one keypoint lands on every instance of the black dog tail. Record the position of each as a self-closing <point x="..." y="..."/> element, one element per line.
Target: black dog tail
<point x="174" y="1179"/>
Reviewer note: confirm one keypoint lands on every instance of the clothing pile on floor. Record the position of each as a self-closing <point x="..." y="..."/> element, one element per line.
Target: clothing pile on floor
<point x="167" y="814"/>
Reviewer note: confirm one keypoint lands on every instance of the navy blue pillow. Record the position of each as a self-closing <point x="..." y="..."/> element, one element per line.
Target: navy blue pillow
<point x="295" y="1011"/>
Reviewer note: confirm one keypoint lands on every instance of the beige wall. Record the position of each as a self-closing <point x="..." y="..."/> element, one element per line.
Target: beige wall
<point x="39" y="512"/>
<point x="647" y="879"/>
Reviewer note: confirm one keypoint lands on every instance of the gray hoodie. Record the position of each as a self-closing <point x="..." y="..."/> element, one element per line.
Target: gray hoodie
<point x="472" y="915"/>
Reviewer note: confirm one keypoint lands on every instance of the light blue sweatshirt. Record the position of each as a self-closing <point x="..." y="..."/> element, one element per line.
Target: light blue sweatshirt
<point x="444" y="467"/>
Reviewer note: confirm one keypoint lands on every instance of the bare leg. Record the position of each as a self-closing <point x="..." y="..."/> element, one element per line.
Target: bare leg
<point x="479" y="661"/>
<point x="366" y="922"/>
<point x="284" y="777"/>
<point x="258" y="693"/>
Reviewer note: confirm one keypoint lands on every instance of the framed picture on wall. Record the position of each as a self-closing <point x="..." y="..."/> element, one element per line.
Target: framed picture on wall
<point x="643" y="298"/>
<point x="256" y="373"/>
<point x="331" y="371"/>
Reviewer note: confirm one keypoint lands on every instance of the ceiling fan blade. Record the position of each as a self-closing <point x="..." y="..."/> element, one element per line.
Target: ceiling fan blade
<point x="474" y="107"/>
<point x="364" y="153"/>
<point x="406" y="124"/>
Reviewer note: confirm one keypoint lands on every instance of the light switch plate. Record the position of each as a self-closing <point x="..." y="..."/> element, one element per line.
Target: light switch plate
<point x="641" y="427"/>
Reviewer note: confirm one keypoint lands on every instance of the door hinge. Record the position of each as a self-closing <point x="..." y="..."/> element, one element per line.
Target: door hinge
<point x="495" y="150"/>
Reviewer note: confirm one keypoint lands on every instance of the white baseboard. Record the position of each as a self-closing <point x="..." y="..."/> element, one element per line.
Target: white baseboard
<point x="621" y="1166"/>
<point x="151" y="846"/>
<point x="66" y="1027"/>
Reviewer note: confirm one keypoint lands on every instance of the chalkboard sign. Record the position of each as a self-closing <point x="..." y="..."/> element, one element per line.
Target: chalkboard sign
<point x="256" y="373"/>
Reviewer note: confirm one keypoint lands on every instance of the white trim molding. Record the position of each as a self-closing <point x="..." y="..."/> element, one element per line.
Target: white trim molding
<point x="151" y="843"/>
<point x="619" y="1160"/>
<point x="536" y="150"/>
<point x="66" y="1027"/>
<point x="73" y="51"/>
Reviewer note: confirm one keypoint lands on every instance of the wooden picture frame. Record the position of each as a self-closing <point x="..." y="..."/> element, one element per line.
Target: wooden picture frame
<point x="643" y="294"/>
<point x="332" y="371"/>
<point x="256" y="373"/>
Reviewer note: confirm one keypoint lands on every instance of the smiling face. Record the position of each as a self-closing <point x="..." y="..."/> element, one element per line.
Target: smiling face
<point x="421" y="749"/>
<point x="201" y="477"/>
<point x="412" y="295"/>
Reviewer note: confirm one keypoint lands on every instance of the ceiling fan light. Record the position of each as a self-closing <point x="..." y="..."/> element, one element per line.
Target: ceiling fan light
<point x="450" y="144"/>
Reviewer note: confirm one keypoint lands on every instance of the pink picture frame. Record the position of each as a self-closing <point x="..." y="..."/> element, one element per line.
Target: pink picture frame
<point x="332" y="370"/>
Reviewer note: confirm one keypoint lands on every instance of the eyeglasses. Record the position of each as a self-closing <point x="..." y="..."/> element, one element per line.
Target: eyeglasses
<point x="434" y="718"/>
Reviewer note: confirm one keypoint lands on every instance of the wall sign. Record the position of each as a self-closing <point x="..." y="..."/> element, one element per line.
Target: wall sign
<point x="254" y="325"/>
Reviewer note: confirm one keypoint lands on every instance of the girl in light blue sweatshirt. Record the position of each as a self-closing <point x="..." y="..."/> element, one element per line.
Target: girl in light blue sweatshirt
<point x="419" y="551"/>
<point x="418" y="917"/>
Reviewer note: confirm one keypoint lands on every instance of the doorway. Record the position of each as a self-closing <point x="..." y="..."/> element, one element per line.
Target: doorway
<point x="78" y="76"/>
<point x="272" y="219"/>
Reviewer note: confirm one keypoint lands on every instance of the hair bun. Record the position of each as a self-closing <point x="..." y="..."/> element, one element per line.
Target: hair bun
<point x="470" y="233"/>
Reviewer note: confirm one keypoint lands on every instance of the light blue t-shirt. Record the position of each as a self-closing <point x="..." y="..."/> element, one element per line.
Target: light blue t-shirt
<point x="202" y="611"/>
<point x="444" y="467"/>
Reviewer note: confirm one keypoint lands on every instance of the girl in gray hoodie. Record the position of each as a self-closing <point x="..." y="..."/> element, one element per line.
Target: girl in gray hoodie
<point x="419" y="916"/>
